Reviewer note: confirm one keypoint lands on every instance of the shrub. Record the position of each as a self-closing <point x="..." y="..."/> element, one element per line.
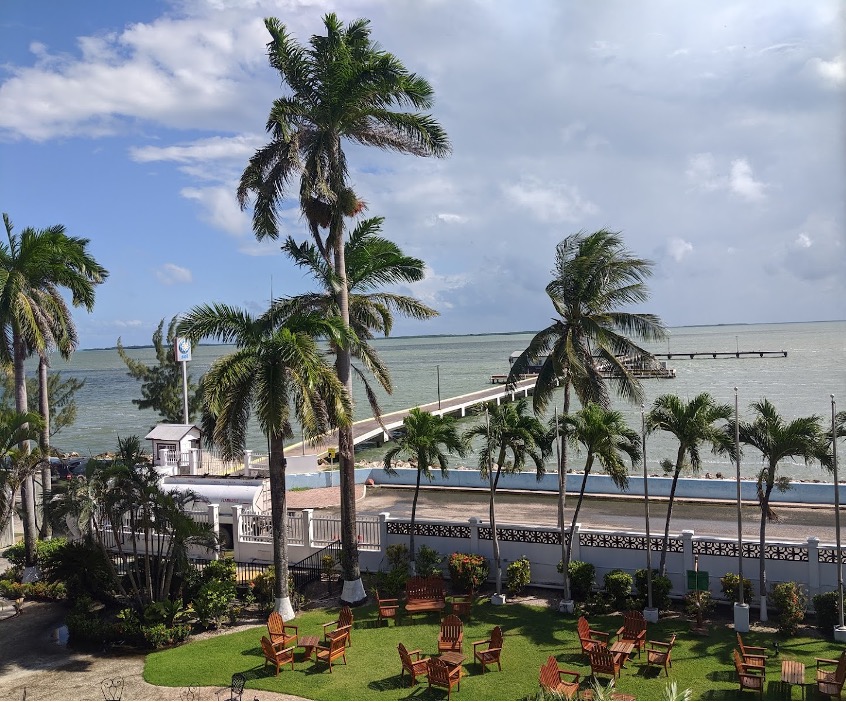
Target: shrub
<point x="212" y="601"/>
<point x="397" y="555"/>
<point x="582" y="577"/>
<point x="223" y="569"/>
<point x="40" y="590"/>
<point x="519" y="575"/>
<point x="729" y="586"/>
<point x="468" y="571"/>
<point x="698" y="604"/>
<point x="82" y="567"/>
<point x="16" y="555"/>
<point x="618" y="587"/>
<point x="828" y="616"/>
<point x="661" y="586"/>
<point x="428" y="561"/>
<point x="791" y="602"/>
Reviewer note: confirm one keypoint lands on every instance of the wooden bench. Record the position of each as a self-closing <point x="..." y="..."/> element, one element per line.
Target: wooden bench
<point x="425" y="594"/>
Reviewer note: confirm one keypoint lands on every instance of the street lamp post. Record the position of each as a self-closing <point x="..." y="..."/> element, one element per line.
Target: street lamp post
<point x="438" y="369"/>
<point x="741" y="609"/>
<point x="840" y="629"/>
<point x="650" y="614"/>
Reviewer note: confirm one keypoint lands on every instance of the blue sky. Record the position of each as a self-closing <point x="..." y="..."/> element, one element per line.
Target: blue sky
<point x="709" y="133"/>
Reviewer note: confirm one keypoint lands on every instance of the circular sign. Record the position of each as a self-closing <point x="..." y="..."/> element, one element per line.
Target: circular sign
<point x="184" y="346"/>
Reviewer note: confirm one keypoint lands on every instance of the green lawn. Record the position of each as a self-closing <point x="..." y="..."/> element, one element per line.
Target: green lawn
<point x="701" y="663"/>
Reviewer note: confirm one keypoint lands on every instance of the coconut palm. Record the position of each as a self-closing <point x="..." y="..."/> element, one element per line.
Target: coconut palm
<point x="15" y="465"/>
<point x="342" y="88"/>
<point x="34" y="267"/>
<point x="776" y="440"/>
<point x="426" y="439"/>
<point x="692" y="423"/>
<point x="277" y="367"/>
<point x="596" y="278"/>
<point x="508" y="429"/>
<point x="372" y="263"/>
<point x="606" y="438"/>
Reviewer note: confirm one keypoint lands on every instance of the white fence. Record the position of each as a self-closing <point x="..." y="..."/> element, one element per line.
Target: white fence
<point x="7" y="535"/>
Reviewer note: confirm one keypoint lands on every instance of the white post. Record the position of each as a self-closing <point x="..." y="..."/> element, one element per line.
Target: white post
<point x="248" y="458"/>
<point x="192" y="461"/>
<point x="236" y="531"/>
<point x="383" y="531"/>
<point x="308" y="528"/>
<point x="214" y="520"/>
<point x="741" y="608"/>
<point x="185" y="391"/>
<point x="162" y="457"/>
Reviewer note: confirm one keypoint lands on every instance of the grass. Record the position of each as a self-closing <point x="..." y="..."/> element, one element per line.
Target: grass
<point x="701" y="663"/>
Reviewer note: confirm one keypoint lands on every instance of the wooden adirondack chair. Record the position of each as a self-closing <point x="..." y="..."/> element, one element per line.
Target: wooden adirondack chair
<point x="412" y="663"/>
<point x="278" y="630"/>
<point x="343" y="623"/>
<point x="752" y="655"/>
<point x="461" y="605"/>
<point x="337" y="648"/>
<point x="747" y="675"/>
<point x="552" y="678"/>
<point x="275" y="655"/>
<point x="388" y="608"/>
<point x="659" y="653"/>
<point x="441" y="675"/>
<point x="604" y="662"/>
<point x="589" y="638"/>
<point x="492" y="651"/>
<point x="633" y="630"/>
<point x="451" y="637"/>
<point x="830" y="682"/>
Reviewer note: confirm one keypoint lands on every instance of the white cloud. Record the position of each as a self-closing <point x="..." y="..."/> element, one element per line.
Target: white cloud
<point x="219" y="207"/>
<point x="238" y="148"/>
<point x="701" y="171"/>
<point x="171" y="274"/>
<point x="742" y="181"/>
<point x="803" y="241"/>
<point x="450" y="218"/>
<point x="679" y="249"/>
<point x="832" y="73"/>
<point x="550" y="202"/>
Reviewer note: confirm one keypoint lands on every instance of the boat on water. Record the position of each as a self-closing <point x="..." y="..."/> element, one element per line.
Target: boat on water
<point x="639" y="366"/>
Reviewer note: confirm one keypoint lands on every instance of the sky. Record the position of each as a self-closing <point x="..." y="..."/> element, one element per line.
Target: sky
<point x="709" y="133"/>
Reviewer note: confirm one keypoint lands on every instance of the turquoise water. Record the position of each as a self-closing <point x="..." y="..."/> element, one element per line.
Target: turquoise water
<point x="798" y="385"/>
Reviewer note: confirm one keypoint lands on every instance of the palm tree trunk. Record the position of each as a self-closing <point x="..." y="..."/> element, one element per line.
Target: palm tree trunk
<point x="494" y="481"/>
<point x="762" y="572"/>
<point x="28" y="485"/>
<point x="662" y="568"/>
<point x="279" y="522"/>
<point x="46" y="476"/>
<point x="569" y="546"/>
<point x="414" y="516"/>
<point x="562" y="487"/>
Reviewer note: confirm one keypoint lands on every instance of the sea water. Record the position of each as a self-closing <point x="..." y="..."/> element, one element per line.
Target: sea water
<point x="424" y="368"/>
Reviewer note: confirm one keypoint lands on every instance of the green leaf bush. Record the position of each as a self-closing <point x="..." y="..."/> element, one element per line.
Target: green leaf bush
<point x="618" y="587"/>
<point x="791" y="601"/>
<point x="519" y="575"/>
<point x="825" y="605"/>
<point x="468" y="571"/>
<point x="582" y="578"/>
<point x="729" y="584"/>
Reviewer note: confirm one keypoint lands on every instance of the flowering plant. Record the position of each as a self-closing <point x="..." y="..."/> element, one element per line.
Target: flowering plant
<point x="468" y="571"/>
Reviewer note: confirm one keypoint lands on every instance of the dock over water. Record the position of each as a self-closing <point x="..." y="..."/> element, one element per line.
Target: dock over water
<point x="722" y="354"/>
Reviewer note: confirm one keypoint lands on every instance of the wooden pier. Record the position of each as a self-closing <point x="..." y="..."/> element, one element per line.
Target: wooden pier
<point x="722" y="354"/>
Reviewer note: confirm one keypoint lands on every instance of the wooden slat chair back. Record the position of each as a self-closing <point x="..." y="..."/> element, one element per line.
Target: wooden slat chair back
<point x="604" y="662"/>
<point x="279" y="631"/>
<point x="275" y="655"/>
<point x="388" y="608"/>
<point x="552" y="678"/>
<point x="451" y="637"/>
<point x="425" y="594"/>
<point x="343" y="623"/>
<point x="337" y="648"/>
<point x="412" y="663"/>
<point x="633" y="630"/>
<point x="441" y="675"/>
<point x="755" y="655"/>
<point x="492" y="651"/>
<point x="830" y="682"/>
<point x="461" y="605"/>
<point x="589" y="638"/>
<point x="748" y="679"/>
<point x="660" y="653"/>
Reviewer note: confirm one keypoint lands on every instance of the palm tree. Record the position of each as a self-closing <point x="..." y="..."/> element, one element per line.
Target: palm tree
<point x="596" y="278"/>
<point x="34" y="266"/>
<point x="372" y="263"/>
<point x="277" y="366"/>
<point x="508" y="429"/>
<point x="343" y="87"/>
<point x="426" y="438"/>
<point x="607" y="438"/>
<point x="15" y="465"/>
<point x="692" y="423"/>
<point x="776" y="440"/>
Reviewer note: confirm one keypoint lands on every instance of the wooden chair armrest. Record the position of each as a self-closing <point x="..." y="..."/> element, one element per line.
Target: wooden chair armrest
<point x="604" y="634"/>
<point x="756" y="648"/>
<point x="283" y="650"/>
<point x="826" y="661"/>
<point x="576" y="676"/>
<point x="390" y="602"/>
<point x="277" y="644"/>
<point x="290" y="626"/>
<point x="660" y="644"/>
<point x="330" y="624"/>
<point x="479" y="643"/>
<point x="415" y="652"/>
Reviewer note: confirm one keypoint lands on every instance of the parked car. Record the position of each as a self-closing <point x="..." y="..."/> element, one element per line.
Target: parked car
<point x="67" y="468"/>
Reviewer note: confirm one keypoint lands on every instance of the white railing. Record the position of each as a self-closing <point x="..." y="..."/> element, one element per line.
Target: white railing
<point x="328" y="529"/>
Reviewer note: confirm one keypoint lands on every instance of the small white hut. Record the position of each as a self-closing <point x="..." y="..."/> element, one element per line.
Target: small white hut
<point x="177" y="446"/>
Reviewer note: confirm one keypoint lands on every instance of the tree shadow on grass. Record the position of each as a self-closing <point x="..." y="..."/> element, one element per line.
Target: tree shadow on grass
<point x="394" y="682"/>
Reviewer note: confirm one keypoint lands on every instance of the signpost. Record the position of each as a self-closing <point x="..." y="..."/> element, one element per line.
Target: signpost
<point x="182" y="352"/>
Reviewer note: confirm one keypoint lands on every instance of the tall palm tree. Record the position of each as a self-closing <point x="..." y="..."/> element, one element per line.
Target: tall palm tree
<point x="776" y="440"/>
<point x="692" y="423"/>
<point x="277" y="367"/>
<point x="596" y="279"/>
<point x="342" y="87"/>
<point x="508" y="429"/>
<point x="34" y="267"/>
<point x="607" y="438"/>
<point x="426" y="438"/>
<point x="372" y="263"/>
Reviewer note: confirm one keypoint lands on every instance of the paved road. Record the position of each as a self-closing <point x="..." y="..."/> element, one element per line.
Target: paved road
<point x="712" y="518"/>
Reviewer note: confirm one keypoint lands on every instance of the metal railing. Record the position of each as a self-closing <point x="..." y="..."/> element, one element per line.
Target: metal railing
<point x="310" y="568"/>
